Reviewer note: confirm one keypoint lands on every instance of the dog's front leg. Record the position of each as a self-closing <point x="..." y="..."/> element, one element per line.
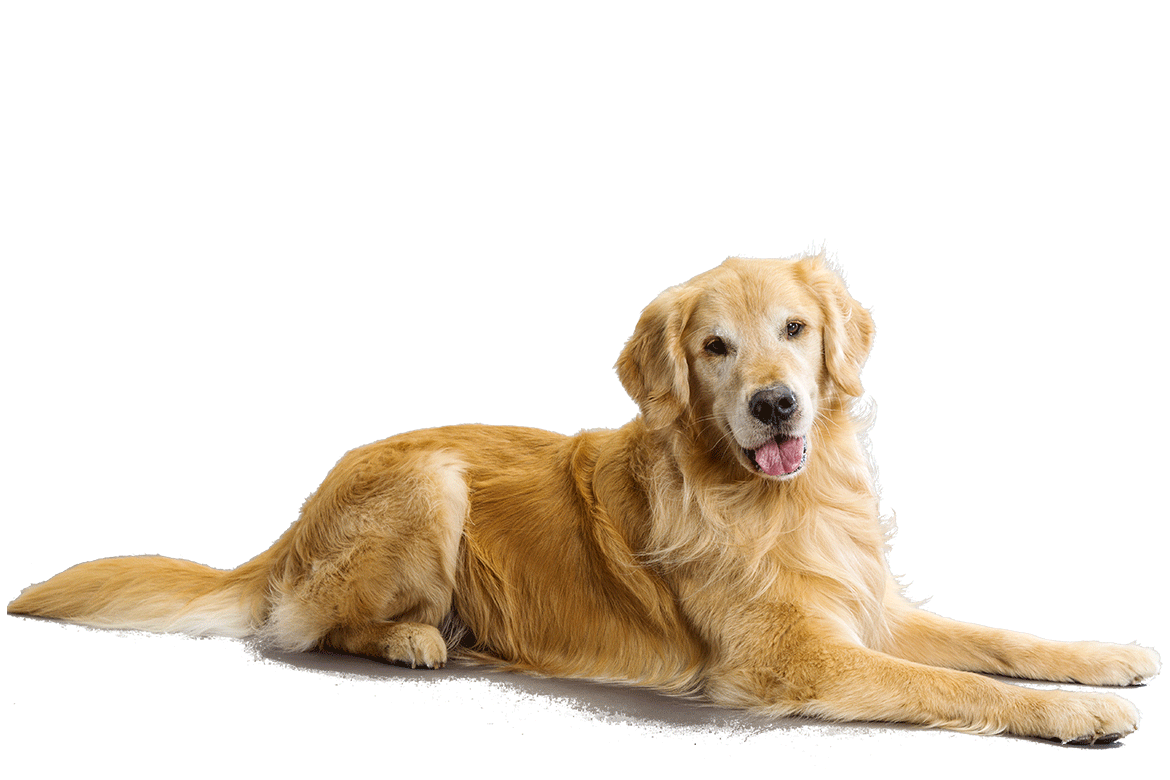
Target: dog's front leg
<point x="812" y="669"/>
<point x="918" y="635"/>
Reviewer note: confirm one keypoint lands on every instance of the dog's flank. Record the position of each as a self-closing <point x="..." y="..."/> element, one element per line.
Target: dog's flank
<point x="727" y="542"/>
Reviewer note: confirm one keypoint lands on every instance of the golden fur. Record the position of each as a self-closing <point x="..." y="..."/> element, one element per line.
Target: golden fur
<point x="664" y="553"/>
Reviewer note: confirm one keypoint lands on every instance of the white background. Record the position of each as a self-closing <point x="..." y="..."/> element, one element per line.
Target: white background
<point x="241" y="238"/>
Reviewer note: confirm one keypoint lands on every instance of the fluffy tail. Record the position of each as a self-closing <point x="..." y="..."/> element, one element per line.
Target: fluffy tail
<point x="152" y="593"/>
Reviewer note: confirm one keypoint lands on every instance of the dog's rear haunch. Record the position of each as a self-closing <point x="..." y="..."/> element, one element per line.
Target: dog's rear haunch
<point x="725" y="542"/>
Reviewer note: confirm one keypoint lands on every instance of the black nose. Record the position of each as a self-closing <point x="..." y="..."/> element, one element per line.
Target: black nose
<point x="773" y="405"/>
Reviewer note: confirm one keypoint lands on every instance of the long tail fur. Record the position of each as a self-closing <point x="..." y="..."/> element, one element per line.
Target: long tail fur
<point x="153" y="593"/>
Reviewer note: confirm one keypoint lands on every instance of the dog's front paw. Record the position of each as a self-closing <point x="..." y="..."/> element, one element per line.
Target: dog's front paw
<point x="1115" y="665"/>
<point x="1089" y="718"/>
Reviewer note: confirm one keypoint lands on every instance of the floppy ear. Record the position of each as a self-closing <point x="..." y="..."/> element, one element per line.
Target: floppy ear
<point x="849" y="329"/>
<point x="653" y="365"/>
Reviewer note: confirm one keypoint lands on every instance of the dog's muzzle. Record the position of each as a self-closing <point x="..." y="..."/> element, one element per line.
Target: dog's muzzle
<point x="784" y="454"/>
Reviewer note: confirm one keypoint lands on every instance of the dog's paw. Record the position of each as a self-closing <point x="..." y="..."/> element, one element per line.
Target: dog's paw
<point x="1115" y="665"/>
<point x="1088" y="718"/>
<point x="414" y="645"/>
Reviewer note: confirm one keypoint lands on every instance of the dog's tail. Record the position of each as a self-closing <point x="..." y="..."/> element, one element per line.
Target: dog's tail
<point x="153" y="593"/>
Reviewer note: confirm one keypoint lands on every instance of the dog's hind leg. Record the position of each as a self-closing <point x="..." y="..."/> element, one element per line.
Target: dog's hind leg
<point x="416" y="644"/>
<point x="370" y="568"/>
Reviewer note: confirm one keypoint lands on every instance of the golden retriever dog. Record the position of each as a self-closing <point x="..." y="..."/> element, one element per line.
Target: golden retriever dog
<point x="726" y="542"/>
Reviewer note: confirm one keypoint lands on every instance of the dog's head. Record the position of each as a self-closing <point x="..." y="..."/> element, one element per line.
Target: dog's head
<point x="747" y="354"/>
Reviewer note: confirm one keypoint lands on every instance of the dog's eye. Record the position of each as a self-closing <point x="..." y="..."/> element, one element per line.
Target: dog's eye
<point x="715" y="346"/>
<point x="794" y="329"/>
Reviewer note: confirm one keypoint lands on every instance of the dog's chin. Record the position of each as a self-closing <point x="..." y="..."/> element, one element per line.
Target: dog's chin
<point x="779" y="458"/>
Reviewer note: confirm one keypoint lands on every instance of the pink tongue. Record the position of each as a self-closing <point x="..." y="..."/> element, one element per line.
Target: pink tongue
<point x="783" y="458"/>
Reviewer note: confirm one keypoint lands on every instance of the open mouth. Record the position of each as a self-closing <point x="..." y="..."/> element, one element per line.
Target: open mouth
<point x="780" y="457"/>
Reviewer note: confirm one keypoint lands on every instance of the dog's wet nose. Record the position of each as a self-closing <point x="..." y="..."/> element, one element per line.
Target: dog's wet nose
<point x="773" y="405"/>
